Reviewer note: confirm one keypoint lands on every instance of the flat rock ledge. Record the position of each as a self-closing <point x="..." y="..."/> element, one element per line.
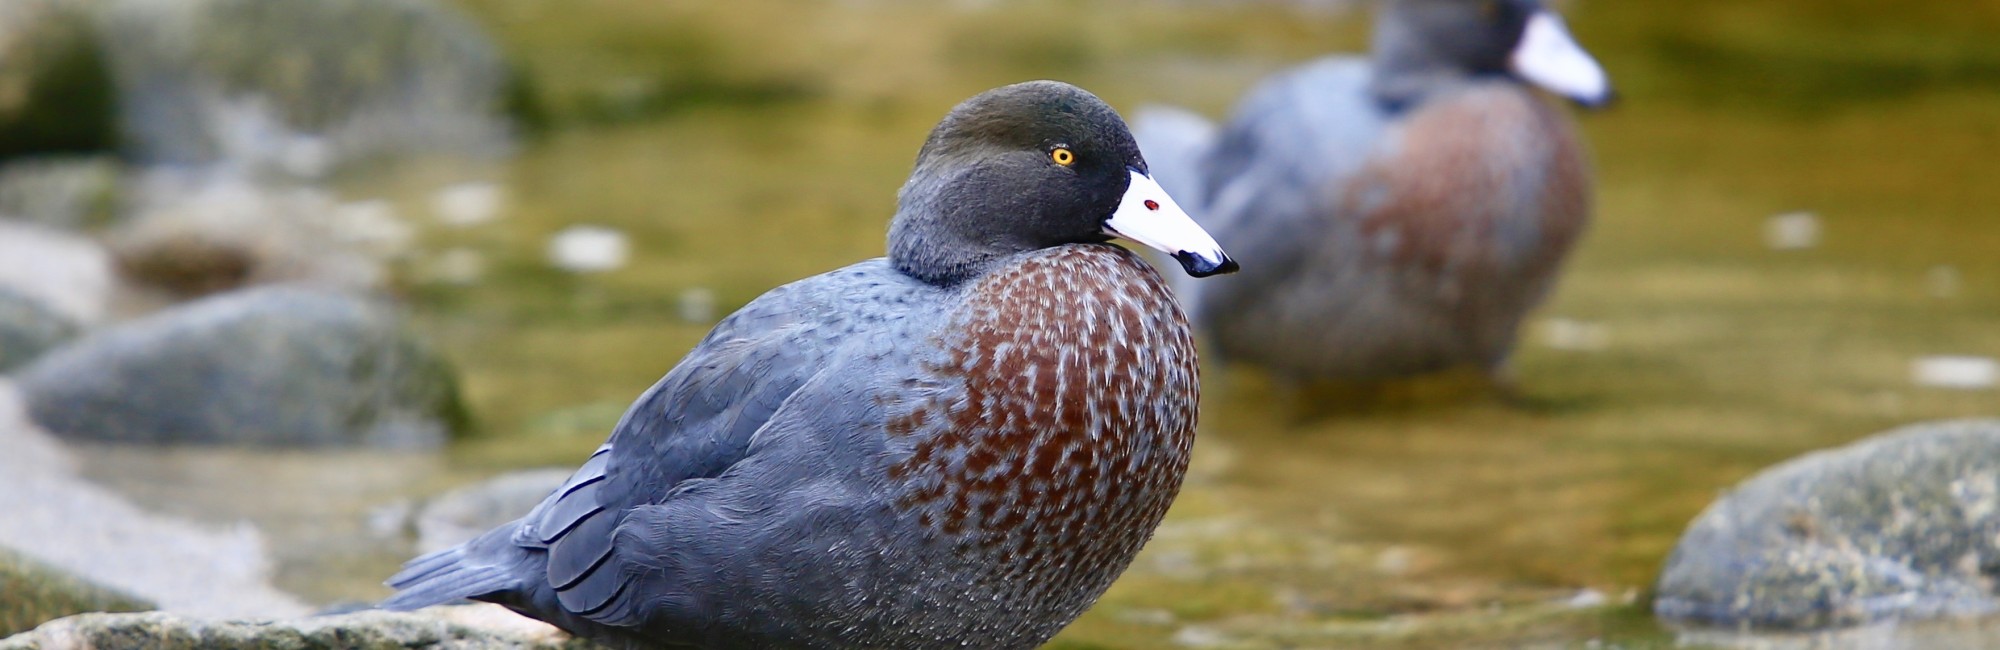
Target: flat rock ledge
<point x="468" y="627"/>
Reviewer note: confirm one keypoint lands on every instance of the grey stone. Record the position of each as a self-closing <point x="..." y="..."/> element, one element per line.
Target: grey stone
<point x="1901" y="526"/>
<point x="476" y="627"/>
<point x="32" y="593"/>
<point x="197" y="236"/>
<point x="458" y="516"/>
<point x="64" y="270"/>
<point x="302" y="89"/>
<point x="275" y="366"/>
<point x="28" y="328"/>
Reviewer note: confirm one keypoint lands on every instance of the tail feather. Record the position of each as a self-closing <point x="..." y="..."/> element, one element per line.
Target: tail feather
<point x="446" y="576"/>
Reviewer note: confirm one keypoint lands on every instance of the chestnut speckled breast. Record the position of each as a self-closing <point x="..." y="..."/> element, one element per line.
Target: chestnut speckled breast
<point x="1070" y="411"/>
<point x="1407" y="210"/>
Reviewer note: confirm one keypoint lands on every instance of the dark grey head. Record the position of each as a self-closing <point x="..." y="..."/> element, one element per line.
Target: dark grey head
<point x="1422" y="44"/>
<point x="1030" y="166"/>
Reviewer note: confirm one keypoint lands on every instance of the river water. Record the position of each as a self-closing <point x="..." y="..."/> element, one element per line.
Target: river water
<point x="1796" y="205"/>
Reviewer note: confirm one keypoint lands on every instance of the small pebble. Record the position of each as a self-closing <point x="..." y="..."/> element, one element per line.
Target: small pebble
<point x="459" y="266"/>
<point x="1395" y="560"/>
<point x="1942" y="282"/>
<point x="697" y="306"/>
<point x="468" y="204"/>
<point x="374" y="225"/>
<point x="1586" y="599"/>
<point x="1959" y="372"/>
<point x="1195" y="636"/>
<point x="588" y="249"/>
<point x="1575" y="335"/>
<point x="306" y="156"/>
<point x="1152" y="617"/>
<point x="1792" y="231"/>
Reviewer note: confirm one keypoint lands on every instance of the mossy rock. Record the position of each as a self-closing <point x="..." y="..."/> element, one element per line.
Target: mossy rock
<point x="32" y="593"/>
<point x="1902" y="526"/>
<point x="56" y="91"/>
<point x="68" y="192"/>
<point x="281" y="366"/>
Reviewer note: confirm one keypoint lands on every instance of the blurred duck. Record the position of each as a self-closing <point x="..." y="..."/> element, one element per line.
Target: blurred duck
<point x="1405" y="211"/>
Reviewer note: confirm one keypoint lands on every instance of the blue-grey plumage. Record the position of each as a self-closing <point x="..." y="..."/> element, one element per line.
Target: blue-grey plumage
<point x="1406" y="211"/>
<point x="959" y="445"/>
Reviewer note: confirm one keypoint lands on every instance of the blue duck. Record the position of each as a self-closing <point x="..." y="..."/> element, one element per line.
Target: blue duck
<point x="1406" y="211"/>
<point x="959" y="445"/>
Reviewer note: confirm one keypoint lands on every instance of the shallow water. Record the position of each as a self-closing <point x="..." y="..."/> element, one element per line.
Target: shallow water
<point x="1681" y="353"/>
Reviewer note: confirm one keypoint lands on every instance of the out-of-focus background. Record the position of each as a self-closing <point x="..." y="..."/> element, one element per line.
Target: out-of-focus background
<point x="548" y="202"/>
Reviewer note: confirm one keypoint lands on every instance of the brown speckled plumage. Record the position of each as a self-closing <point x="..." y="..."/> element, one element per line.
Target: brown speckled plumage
<point x="1409" y="210"/>
<point x="1078" y="411"/>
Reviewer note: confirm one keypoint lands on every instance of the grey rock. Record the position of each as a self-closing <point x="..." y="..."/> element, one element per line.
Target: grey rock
<point x="1901" y="526"/>
<point x="275" y="366"/>
<point x="28" y="328"/>
<point x="64" y="270"/>
<point x="354" y="82"/>
<point x="32" y="593"/>
<point x="457" y="516"/>
<point x="445" y="628"/>
<point x="196" y="236"/>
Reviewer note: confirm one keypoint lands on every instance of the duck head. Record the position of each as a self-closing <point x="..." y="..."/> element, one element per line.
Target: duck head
<point x="1030" y="166"/>
<point x="1419" y="43"/>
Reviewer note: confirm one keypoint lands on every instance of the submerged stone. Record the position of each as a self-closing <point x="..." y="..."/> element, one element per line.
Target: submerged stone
<point x="277" y="366"/>
<point x="1901" y="526"/>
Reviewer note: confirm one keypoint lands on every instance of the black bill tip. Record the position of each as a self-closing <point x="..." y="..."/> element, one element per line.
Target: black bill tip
<point x="1202" y="267"/>
<point x="1604" y="103"/>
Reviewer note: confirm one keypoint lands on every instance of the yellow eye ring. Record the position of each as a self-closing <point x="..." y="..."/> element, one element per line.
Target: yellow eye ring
<point x="1063" y="156"/>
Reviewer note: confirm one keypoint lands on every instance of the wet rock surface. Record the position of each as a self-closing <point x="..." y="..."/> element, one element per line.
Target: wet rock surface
<point x="28" y="328"/>
<point x="32" y="593"/>
<point x="50" y="514"/>
<point x="472" y="627"/>
<point x="276" y="366"/>
<point x="1902" y="526"/>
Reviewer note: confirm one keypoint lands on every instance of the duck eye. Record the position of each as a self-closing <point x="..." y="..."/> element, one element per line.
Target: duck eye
<point x="1063" y="156"/>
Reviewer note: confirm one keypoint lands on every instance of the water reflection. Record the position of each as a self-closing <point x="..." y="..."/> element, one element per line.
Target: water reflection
<point x="1967" y="634"/>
